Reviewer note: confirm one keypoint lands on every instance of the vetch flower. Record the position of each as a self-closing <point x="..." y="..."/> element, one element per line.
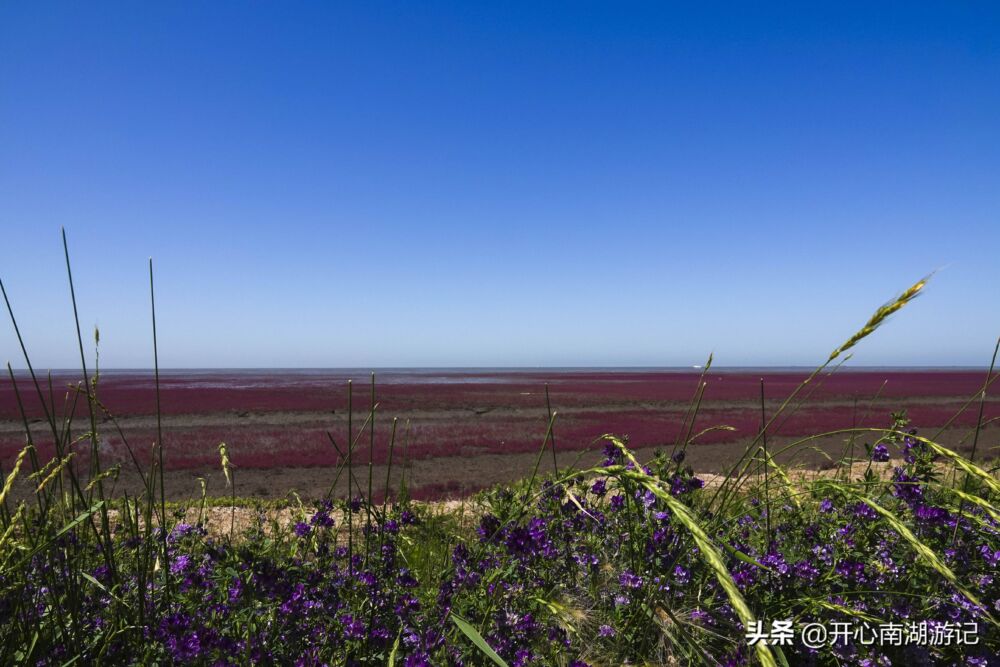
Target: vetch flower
<point x="629" y="580"/>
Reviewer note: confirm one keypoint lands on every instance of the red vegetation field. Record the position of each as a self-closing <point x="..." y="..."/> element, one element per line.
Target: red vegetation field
<point x="280" y="419"/>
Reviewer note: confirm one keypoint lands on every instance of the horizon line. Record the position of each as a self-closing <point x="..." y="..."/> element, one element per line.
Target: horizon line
<point x="693" y="368"/>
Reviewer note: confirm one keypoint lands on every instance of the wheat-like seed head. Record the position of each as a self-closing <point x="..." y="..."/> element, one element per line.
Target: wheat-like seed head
<point x="55" y="471"/>
<point x="880" y="316"/>
<point x="10" y="528"/>
<point x="45" y="469"/>
<point x="110" y="472"/>
<point x="13" y="473"/>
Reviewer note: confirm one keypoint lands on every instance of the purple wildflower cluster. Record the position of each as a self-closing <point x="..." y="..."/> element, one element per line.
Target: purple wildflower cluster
<point x="590" y="570"/>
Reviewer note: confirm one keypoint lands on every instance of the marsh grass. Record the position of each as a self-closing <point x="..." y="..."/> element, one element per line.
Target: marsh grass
<point x="629" y="562"/>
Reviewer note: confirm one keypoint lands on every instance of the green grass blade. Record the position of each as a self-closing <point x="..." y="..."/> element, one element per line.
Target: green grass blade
<point x="395" y="649"/>
<point x="478" y="640"/>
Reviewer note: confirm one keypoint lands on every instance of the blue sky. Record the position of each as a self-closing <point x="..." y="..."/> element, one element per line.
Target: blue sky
<point x="441" y="184"/>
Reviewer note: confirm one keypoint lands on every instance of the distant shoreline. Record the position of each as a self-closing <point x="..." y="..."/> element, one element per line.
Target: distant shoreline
<point x="500" y="370"/>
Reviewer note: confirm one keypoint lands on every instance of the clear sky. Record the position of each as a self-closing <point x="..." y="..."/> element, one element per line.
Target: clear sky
<point x="442" y="184"/>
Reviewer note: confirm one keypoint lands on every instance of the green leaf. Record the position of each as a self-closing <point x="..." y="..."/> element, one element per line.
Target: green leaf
<point x="395" y="648"/>
<point x="95" y="582"/>
<point x="478" y="640"/>
<point x="104" y="588"/>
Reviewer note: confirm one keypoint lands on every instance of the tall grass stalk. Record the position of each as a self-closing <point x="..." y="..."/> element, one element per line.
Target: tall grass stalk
<point x="733" y="481"/>
<point x="979" y="428"/>
<point x="371" y="462"/>
<point x="552" y="436"/>
<point x="350" y="475"/>
<point x="159" y="428"/>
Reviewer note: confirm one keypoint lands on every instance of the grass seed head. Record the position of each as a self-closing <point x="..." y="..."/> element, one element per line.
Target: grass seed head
<point x="226" y="463"/>
<point x="880" y="316"/>
<point x="13" y="473"/>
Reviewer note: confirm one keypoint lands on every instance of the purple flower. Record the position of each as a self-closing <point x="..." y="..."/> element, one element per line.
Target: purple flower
<point x="806" y="570"/>
<point x="488" y="527"/>
<point x="302" y="529"/>
<point x="699" y="616"/>
<point x="629" y="580"/>
<point x="865" y="511"/>
<point x="906" y="487"/>
<point x="180" y="564"/>
<point x="530" y="541"/>
<point x="523" y="657"/>
<point x="612" y="455"/>
<point x="851" y="570"/>
<point x="826" y="506"/>
<point x="460" y="555"/>
<point x="930" y="514"/>
<point x="776" y="562"/>
<point x="912" y="448"/>
<point x="353" y="628"/>
<point x="586" y="560"/>
<point x="744" y="575"/>
<point x="605" y="631"/>
<point x="180" y="530"/>
<point x="992" y="557"/>
<point x="235" y="589"/>
<point x="880" y="453"/>
<point x="185" y="648"/>
<point x="600" y="487"/>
